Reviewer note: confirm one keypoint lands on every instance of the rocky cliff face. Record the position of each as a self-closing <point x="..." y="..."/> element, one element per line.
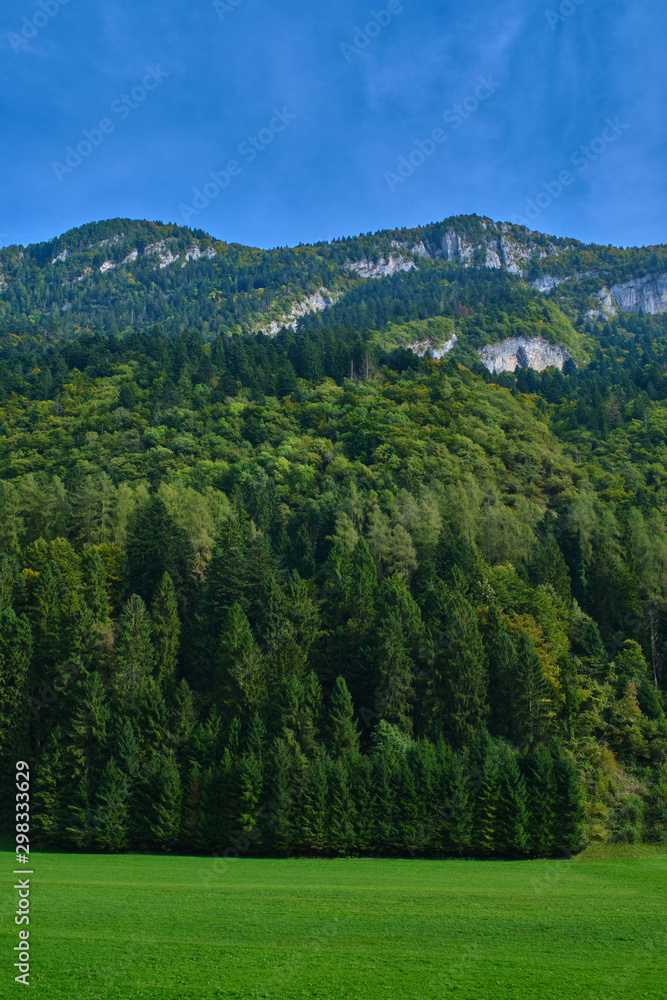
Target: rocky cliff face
<point x="523" y="352"/>
<point x="648" y="294"/>
<point x="422" y="347"/>
<point x="383" y="267"/>
<point x="323" y="299"/>
<point x="497" y="248"/>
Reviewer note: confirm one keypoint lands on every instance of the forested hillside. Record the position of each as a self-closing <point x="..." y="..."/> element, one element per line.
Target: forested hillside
<point x="315" y="594"/>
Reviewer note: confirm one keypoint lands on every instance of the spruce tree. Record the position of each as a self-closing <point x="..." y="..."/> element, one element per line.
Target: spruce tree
<point x="395" y="648"/>
<point x="167" y="794"/>
<point x="166" y="630"/>
<point x="409" y="837"/>
<point x="538" y="768"/>
<point x="482" y="776"/>
<point x="48" y="791"/>
<point x="249" y="778"/>
<point x="531" y="698"/>
<point x="569" y="804"/>
<point x="361" y="783"/>
<point x="312" y="805"/>
<point x="502" y="661"/>
<point x="95" y="584"/>
<point x="15" y="660"/>
<point x="207" y="830"/>
<point x="512" y="817"/>
<point x="342" y="730"/>
<point x="113" y="800"/>
<point x="240" y="683"/>
<point x="49" y="618"/>
<point x="279" y="819"/>
<point x="548" y="566"/>
<point x="456" y="803"/>
<point x="156" y="545"/>
<point x="183" y="720"/>
<point x="384" y="803"/>
<point x="455" y="700"/>
<point x="135" y="656"/>
<point x="340" y="814"/>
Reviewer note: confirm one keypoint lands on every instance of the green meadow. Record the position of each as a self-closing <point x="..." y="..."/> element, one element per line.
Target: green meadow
<point x="136" y="926"/>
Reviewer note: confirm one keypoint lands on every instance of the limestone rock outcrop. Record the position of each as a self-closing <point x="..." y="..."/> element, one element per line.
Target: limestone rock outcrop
<point x="381" y="268"/>
<point x="323" y="299"/>
<point x="648" y="294"/>
<point x="524" y="352"/>
<point x="422" y="347"/>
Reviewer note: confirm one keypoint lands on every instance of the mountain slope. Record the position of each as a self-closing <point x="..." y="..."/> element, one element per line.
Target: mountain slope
<point x="119" y="275"/>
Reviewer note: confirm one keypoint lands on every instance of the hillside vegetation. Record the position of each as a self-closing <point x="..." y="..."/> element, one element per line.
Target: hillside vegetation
<point x="311" y="593"/>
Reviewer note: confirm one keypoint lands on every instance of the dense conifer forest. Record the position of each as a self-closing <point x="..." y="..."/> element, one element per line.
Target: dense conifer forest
<point x="313" y="594"/>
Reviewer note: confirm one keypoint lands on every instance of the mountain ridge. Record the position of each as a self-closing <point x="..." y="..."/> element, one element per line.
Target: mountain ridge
<point x="118" y="275"/>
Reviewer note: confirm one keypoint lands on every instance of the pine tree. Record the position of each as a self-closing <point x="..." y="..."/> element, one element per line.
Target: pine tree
<point x="279" y="809"/>
<point x="111" y="833"/>
<point x="394" y="673"/>
<point x="530" y="699"/>
<point x="95" y="584"/>
<point x="240" y="684"/>
<point x="301" y="554"/>
<point x="502" y="661"/>
<point x="156" y="545"/>
<point x="342" y="730"/>
<point x="408" y="836"/>
<point x="312" y="805"/>
<point x="166" y="630"/>
<point x="458" y="795"/>
<point x="455" y="700"/>
<point x="256" y="742"/>
<point x="547" y="565"/>
<point x="88" y="733"/>
<point x="482" y="760"/>
<point x="538" y="768"/>
<point x="340" y="813"/>
<point x="249" y="781"/>
<point x="48" y="791"/>
<point x="183" y="719"/>
<point x="569" y="808"/>
<point x="15" y="660"/>
<point x="49" y="618"/>
<point x="512" y="818"/>
<point x="135" y="656"/>
<point x="168" y="798"/>
<point x="395" y="649"/>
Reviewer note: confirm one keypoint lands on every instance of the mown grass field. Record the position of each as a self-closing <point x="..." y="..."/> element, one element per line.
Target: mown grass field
<point x="154" y="927"/>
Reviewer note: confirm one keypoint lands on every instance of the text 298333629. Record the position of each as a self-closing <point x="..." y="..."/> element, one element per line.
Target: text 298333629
<point x="22" y="885"/>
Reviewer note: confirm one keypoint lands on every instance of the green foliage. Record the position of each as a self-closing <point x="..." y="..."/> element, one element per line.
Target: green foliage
<point x="397" y="605"/>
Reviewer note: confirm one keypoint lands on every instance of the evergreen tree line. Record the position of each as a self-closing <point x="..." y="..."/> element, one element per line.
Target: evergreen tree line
<point x="269" y="712"/>
<point x="375" y="718"/>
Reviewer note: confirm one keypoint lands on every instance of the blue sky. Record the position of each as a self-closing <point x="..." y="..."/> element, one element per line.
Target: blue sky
<point x="357" y="86"/>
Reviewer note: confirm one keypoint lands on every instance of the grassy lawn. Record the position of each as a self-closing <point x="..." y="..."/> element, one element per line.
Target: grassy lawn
<point x="148" y="927"/>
